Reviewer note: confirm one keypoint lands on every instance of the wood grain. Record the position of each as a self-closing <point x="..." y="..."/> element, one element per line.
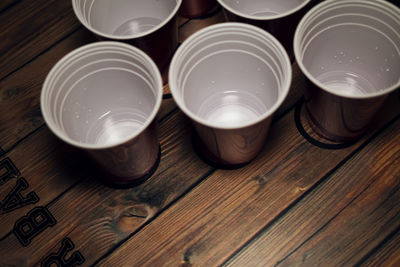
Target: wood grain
<point x="30" y="28"/>
<point x="41" y="161"/>
<point x="362" y="224"/>
<point x="96" y="217"/>
<point x="387" y="255"/>
<point x="20" y="92"/>
<point x="346" y="215"/>
<point x="116" y="214"/>
<point x="188" y="213"/>
<point x="5" y="4"/>
<point x="229" y="208"/>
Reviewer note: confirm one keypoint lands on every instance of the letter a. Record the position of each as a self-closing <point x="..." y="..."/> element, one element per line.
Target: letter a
<point x="14" y="200"/>
<point x="7" y="170"/>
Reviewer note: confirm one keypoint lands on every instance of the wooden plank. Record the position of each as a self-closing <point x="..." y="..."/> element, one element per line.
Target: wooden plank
<point x="387" y="255"/>
<point x="351" y="221"/>
<point x="5" y="4"/>
<point x="41" y="162"/>
<point x="46" y="171"/>
<point x="30" y="28"/>
<point x="20" y="92"/>
<point x="225" y="211"/>
<point x="369" y="218"/>
<point x="96" y="217"/>
<point x="180" y="169"/>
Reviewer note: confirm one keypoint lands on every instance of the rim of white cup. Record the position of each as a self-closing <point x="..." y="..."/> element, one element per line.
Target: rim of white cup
<point x="270" y="17"/>
<point x="58" y="67"/>
<point x="71" y="60"/>
<point x="79" y="15"/>
<point x="284" y="88"/>
<point x="300" y="31"/>
<point x="58" y="119"/>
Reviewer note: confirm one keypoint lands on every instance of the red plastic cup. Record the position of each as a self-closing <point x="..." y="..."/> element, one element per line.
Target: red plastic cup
<point x="150" y="25"/>
<point x="349" y="51"/>
<point x="103" y="98"/>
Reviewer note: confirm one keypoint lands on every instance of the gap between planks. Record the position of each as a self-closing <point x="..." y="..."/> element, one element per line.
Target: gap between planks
<point x="202" y="247"/>
<point x="288" y="105"/>
<point x="310" y="191"/>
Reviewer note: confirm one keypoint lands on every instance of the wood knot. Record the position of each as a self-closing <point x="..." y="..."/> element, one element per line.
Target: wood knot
<point x="130" y="219"/>
<point x="186" y="259"/>
<point x="260" y="179"/>
<point x="301" y="188"/>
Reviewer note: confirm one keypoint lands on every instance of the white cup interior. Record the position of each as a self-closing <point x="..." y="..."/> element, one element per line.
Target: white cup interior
<point x="101" y="95"/>
<point x="351" y="48"/>
<point x="230" y="75"/>
<point x="124" y="18"/>
<point x="261" y="9"/>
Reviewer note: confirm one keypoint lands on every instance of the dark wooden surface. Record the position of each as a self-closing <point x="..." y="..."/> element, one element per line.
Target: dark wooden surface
<point x="295" y="204"/>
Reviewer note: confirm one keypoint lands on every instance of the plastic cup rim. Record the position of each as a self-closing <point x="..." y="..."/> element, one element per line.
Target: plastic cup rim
<point x="283" y="92"/>
<point x="124" y="37"/>
<point x="297" y="53"/>
<point x="271" y="17"/>
<point x="81" y="55"/>
<point x="158" y="82"/>
<point x="58" y="119"/>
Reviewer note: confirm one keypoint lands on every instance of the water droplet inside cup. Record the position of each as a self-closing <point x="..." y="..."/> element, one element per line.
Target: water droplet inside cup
<point x="376" y="48"/>
<point x="136" y="26"/>
<point x="322" y="67"/>
<point x="387" y="69"/>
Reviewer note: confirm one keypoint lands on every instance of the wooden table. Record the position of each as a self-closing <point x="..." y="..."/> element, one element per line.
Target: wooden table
<point x="295" y="204"/>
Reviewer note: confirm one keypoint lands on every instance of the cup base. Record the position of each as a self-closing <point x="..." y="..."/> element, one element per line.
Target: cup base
<point x="107" y="179"/>
<point x="318" y="129"/>
<point x="205" y="155"/>
<point x="311" y="132"/>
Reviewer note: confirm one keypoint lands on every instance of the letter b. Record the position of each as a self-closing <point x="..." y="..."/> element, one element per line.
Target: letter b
<point x="36" y="221"/>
